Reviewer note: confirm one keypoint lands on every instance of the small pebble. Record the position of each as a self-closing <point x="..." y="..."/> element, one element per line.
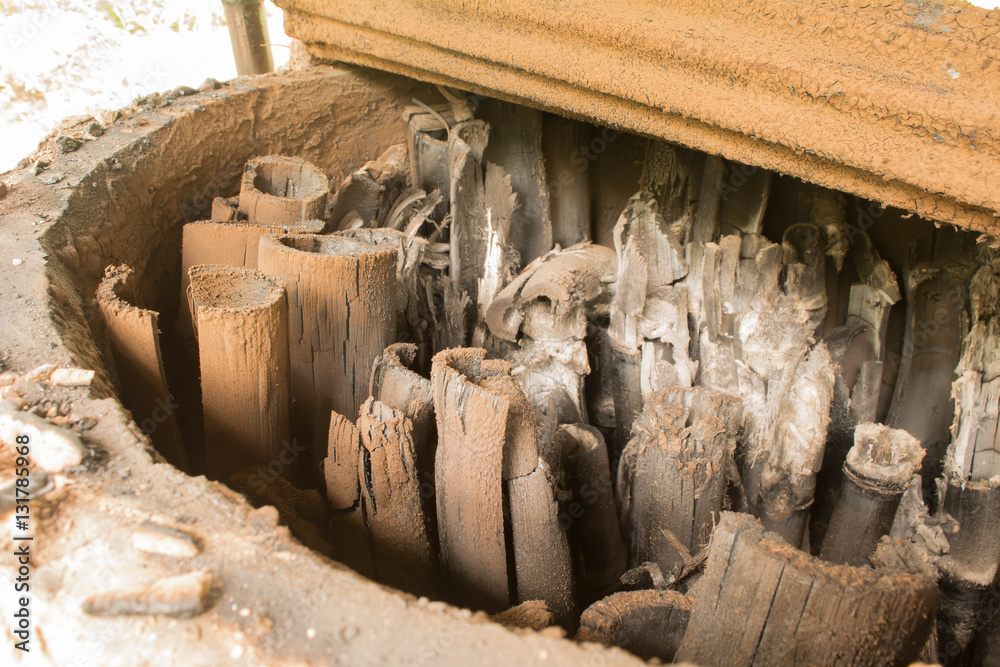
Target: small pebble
<point x="3" y="189"/>
<point x="95" y="129"/>
<point x="40" y="166"/>
<point x="311" y="633"/>
<point x="51" y="179"/>
<point x="349" y="633"/>
<point x="17" y="261"/>
<point x="209" y="84"/>
<point x="67" y="144"/>
<point x="183" y="91"/>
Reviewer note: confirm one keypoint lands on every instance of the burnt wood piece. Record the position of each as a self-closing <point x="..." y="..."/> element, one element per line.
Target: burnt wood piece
<point x="341" y="315"/>
<point x="804" y="247"/>
<point x="240" y="319"/>
<point x="857" y="348"/>
<point x="134" y="335"/>
<point x="545" y="310"/>
<point x="413" y="255"/>
<point x="672" y="481"/>
<point x="972" y="472"/>
<point x="936" y="282"/>
<point x="756" y="341"/>
<point x="543" y="565"/>
<point x="650" y="624"/>
<point x="877" y="471"/>
<point x="403" y="554"/>
<point x="370" y="192"/>
<point x="594" y="525"/>
<point x="516" y="146"/>
<point x="563" y="143"/>
<point x="763" y="602"/>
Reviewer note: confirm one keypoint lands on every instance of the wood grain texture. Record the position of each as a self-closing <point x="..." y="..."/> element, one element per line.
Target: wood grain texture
<point x="135" y="345"/>
<point x="240" y="319"/>
<point x="341" y="315"/>
<point x="390" y="497"/>
<point x="472" y="425"/>
<point x="762" y="602"/>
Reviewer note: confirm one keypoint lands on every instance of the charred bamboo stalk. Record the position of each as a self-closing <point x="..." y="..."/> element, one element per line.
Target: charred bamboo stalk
<point x="857" y="349"/>
<point x="563" y="141"/>
<point x="135" y="346"/>
<point x="277" y="191"/>
<point x="342" y="314"/>
<point x="649" y="624"/>
<point x="368" y="194"/>
<point x="353" y="544"/>
<point x="672" y="482"/>
<point x="516" y="147"/>
<point x="745" y="192"/>
<point x="594" y="515"/>
<point x="488" y="443"/>
<point x="972" y="470"/>
<point x="240" y="320"/>
<point x="472" y="423"/>
<point x="395" y="383"/>
<point x="390" y="498"/>
<point x="936" y="284"/>
<point x="543" y="566"/>
<point x="877" y="471"/>
<point x="761" y="602"/>
<point x="545" y="311"/>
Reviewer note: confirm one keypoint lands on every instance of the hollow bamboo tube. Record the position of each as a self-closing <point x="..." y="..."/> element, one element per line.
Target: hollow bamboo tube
<point x="277" y="190"/>
<point x="241" y="322"/>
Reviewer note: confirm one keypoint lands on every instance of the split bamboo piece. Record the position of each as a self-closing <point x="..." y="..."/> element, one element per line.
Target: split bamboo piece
<point x="564" y="143"/>
<point x="390" y="498"/>
<point x="240" y="320"/>
<point x="135" y="345"/>
<point x="341" y="315"/>
<point x="277" y="190"/>
<point x="488" y="444"/>
<point x="763" y="602"/>
<point x="353" y="543"/>
<point x="594" y="528"/>
<point x="972" y="470"/>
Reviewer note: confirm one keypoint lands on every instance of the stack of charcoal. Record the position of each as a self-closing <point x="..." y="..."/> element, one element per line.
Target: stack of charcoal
<point x="576" y="378"/>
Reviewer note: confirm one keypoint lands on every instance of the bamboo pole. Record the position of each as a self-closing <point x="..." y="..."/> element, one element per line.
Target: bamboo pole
<point x="240" y="320"/>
